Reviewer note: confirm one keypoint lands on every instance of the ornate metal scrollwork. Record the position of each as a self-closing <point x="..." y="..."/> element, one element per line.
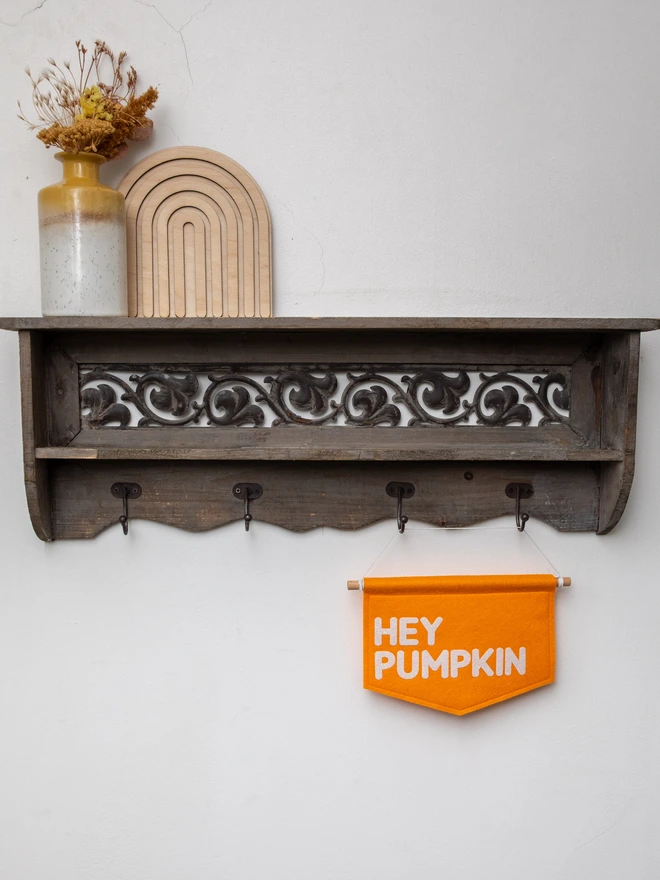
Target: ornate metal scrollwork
<point x="311" y="395"/>
<point x="103" y="407"/>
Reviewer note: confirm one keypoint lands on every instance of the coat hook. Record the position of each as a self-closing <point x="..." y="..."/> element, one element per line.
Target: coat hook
<point x="400" y="491"/>
<point x="248" y="492"/>
<point x="125" y="491"/>
<point x="520" y="491"/>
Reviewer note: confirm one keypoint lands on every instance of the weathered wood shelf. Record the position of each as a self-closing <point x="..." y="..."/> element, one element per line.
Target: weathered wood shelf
<point x="323" y="413"/>
<point x="433" y="325"/>
<point x="379" y="452"/>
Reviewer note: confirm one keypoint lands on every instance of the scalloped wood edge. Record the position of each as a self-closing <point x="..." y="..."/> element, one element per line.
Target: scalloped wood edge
<point x="197" y="496"/>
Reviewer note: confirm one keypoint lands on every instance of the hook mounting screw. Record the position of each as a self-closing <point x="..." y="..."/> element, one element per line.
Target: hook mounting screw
<point x="247" y="492"/>
<point x="400" y="491"/>
<point x="521" y="492"/>
<point x="125" y="491"/>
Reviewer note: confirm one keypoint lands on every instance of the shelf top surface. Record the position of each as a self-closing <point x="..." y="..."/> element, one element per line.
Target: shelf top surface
<point x="560" y="325"/>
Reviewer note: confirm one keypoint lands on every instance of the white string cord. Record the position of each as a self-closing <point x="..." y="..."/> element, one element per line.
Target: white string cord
<point x="555" y="570"/>
<point x="462" y="529"/>
<point x="380" y="554"/>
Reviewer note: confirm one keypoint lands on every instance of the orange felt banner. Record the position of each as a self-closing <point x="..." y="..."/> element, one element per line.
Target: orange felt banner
<point x="459" y="644"/>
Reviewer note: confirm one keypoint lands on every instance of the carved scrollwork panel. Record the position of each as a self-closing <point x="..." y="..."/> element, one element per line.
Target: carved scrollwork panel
<point x="226" y="396"/>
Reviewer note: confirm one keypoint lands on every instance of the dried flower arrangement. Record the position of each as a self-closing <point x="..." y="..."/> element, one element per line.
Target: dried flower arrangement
<point x="79" y="117"/>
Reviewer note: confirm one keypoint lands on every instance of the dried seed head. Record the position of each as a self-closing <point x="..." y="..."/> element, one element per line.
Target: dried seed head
<point x="78" y="112"/>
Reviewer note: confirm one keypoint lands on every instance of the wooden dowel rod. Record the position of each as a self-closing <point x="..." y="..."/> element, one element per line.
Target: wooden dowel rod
<point x="561" y="582"/>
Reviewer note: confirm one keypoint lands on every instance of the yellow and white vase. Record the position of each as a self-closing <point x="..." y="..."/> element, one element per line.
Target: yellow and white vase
<point x="82" y="241"/>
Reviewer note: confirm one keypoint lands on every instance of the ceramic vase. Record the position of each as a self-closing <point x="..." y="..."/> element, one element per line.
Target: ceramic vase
<point x="82" y="242"/>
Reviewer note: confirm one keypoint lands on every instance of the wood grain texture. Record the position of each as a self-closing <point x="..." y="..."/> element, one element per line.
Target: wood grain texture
<point x="620" y="376"/>
<point x="330" y="346"/>
<point x="62" y="386"/>
<point x="198" y="237"/>
<point x="35" y="431"/>
<point x="317" y="443"/>
<point x="586" y="394"/>
<point x="419" y="325"/>
<point x="283" y="453"/>
<point x="197" y="496"/>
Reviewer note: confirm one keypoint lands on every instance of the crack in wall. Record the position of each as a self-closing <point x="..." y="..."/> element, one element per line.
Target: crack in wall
<point x="166" y="125"/>
<point x="25" y="15"/>
<point x="178" y="31"/>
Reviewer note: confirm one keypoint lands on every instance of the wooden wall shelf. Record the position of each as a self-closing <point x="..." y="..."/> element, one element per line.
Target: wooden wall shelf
<point x="323" y="413"/>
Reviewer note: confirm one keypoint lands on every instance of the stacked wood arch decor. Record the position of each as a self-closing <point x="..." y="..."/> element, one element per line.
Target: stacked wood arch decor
<point x="198" y="237"/>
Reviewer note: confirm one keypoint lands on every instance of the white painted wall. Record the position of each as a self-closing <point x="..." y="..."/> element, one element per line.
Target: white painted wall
<point x="190" y="706"/>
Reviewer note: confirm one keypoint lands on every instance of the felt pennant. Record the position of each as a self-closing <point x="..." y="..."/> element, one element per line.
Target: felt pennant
<point x="459" y="644"/>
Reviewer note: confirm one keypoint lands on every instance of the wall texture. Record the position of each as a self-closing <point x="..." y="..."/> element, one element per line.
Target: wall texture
<point x="183" y="705"/>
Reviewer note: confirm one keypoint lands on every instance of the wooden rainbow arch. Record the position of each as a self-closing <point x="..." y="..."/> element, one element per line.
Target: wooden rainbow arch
<point x="198" y="237"/>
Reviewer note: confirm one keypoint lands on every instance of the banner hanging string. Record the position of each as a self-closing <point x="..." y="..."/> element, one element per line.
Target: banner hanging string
<point x="561" y="581"/>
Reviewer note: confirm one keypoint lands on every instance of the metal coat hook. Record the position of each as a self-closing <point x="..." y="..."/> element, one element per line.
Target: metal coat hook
<point x="400" y="491"/>
<point x="247" y="492"/>
<point x="125" y="491"/>
<point x="520" y="491"/>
